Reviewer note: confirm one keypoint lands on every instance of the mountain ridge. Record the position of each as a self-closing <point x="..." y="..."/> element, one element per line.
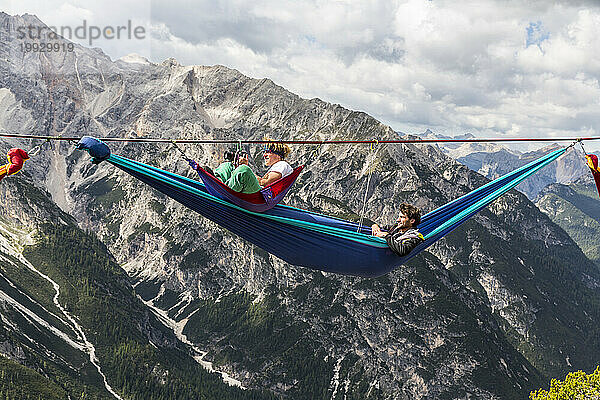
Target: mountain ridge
<point x="574" y="208"/>
<point x="418" y="332"/>
<point x="494" y="160"/>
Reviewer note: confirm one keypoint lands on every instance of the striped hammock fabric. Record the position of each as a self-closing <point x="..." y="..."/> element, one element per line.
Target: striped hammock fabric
<point x="316" y="241"/>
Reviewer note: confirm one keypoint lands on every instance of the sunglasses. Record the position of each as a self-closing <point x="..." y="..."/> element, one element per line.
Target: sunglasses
<point x="266" y="153"/>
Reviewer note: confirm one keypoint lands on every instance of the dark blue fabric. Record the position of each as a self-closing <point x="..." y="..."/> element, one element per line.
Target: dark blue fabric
<point x="303" y="246"/>
<point x="292" y="244"/>
<point x="97" y="149"/>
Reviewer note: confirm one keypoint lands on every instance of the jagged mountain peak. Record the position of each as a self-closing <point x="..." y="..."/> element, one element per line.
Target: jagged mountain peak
<point x="449" y="324"/>
<point x="66" y="58"/>
<point x="26" y="17"/>
<point x="171" y="63"/>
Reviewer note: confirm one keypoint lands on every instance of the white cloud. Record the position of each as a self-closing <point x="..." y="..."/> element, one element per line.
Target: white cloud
<point x="485" y="67"/>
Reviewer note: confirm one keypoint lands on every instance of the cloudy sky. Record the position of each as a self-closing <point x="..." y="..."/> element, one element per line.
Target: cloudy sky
<point x="490" y="68"/>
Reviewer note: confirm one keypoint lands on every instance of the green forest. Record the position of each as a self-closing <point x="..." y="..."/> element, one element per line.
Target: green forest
<point x="122" y="328"/>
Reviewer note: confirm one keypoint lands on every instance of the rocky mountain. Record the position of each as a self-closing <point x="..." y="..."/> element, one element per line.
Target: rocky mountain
<point x="490" y="312"/>
<point x="493" y="160"/>
<point x="575" y="208"/>
<point x="72" y="325"/>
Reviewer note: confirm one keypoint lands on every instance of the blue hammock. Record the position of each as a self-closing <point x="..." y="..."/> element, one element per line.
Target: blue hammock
<point x="316" y="241"/>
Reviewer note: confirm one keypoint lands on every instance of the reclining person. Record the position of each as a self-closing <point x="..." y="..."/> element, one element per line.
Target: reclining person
<point x="243" y="180"/>
<point x="402" y="237"/>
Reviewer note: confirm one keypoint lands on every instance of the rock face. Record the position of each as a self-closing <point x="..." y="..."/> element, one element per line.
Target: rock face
<point x="477" y="315"/>
<point x="72" y="321"/>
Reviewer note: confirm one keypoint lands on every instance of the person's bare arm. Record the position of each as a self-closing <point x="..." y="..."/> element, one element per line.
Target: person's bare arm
<point x="269" y="178"/>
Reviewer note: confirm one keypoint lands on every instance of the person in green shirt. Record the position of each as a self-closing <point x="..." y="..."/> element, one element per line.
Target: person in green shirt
<point x="241" y="178"/>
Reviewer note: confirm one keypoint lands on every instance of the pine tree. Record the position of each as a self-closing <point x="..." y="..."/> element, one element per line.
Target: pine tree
<point x="576" y="386"/>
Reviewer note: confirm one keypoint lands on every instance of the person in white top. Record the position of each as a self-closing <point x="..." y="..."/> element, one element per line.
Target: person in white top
<point x="274" y="158"/>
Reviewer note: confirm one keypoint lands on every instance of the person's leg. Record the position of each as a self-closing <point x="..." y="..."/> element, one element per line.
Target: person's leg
<point x="243" y="180"/>
<point x="224" y="171"/>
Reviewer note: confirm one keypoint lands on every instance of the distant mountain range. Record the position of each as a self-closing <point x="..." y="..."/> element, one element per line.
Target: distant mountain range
<point x="494" y="160"/>
<point x="111" y="290"/>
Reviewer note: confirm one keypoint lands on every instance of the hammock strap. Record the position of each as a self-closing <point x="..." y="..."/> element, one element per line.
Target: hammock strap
<point x="582" y="148"/>
<point x="373" y="153"/>
<point x="174" y="142"/>
<point x="36" y="149"/>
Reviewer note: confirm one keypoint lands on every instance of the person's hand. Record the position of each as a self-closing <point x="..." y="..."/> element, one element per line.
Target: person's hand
<point x="193" y="164"/>
<point x="243" y="159"/>
<point x="375" y="229"/>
